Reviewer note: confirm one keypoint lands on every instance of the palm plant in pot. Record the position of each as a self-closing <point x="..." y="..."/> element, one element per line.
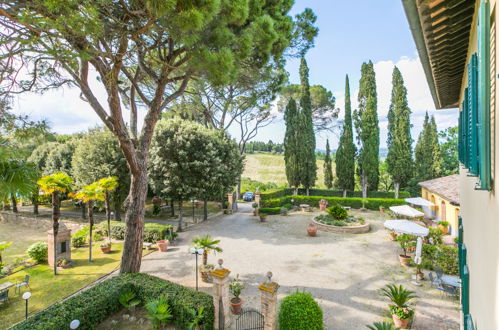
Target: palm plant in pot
<point x="255" y="209"/>
<point x="400" y="297"/>
<point x="404" y="241"/>
<point x="208" y="244"/>
<point x="235" y="288"/>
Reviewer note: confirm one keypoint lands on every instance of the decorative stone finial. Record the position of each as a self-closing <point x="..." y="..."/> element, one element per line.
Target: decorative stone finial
<point x="220" y="263"/>
<point x="269" y="277"/>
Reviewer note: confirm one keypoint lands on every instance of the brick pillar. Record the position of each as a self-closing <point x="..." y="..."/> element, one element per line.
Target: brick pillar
<point x="268" y="300"/>
<point x="230" y="199"/>
<point x="221" y="291"/>
<point x="257" y="198"/>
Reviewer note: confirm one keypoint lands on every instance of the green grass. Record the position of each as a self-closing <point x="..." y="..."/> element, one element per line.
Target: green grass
<point x="270" y="168"/>
<point x="22" y="237"/>
<point x="47" y="289"/>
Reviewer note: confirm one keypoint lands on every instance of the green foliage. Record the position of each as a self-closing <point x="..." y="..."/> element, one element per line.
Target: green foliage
<point x="60" y="156"/>
<point x="277" y="193"/>
<point x="56" y="183"/>
<point x="259" y="147"/>
<point x="270" y="210"/>
<point x="152" y="231"/>
<point x="428" y="161"/>
<point x="381" y="326"/>
<point x="444" y="223"/>
<point x="435" y="234"/>
<point x="236" y="286"/>
<point x="156" y="210"/>
<point x="300" y="311"/>
<point x="127" y="299"/>
<point x="398" y="295"/>
<point x="92" y="306"/>
<point x="440" y="257"/>
<point x="399" y="158"/>
<point x="404" y="241"/>
<point x="337" y="212"/>
<point x="17" y="177"/>
<point x="345" y="154"/>
<point x="38" y="251"/>
<point x="197" y="316"/>
<point x="248" y="184"/>
<point x="292" y="144"/>
<point x="448" y="149"/>
<point x="158" y="311"/>
<point x="78" y="241"/>
<point x="367" y="127"/>
<point x="207" y="243"/>
<point x="3" y="247"/>
<point x="328" y="169"/>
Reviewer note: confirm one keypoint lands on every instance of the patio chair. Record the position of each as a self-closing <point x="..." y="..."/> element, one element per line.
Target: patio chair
<point x="19" y="285"/>
<point x="435" y="282"/>
<point x="4" y="296"/>
<point x="439" y="273"/>
<point x="449" y="289"/>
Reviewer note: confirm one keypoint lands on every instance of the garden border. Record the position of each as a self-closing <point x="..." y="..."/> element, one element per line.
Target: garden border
<point x="360" y="229"/>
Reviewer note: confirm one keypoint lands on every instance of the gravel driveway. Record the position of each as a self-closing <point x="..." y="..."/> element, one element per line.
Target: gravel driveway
<point x="342" y="271"/>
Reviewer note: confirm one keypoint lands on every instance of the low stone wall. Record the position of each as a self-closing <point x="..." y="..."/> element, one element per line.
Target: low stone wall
<point x="42" y="224"/>
<point x="361" y="229"/>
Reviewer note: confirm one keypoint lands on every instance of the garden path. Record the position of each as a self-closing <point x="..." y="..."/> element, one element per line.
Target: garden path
<point x="343" y="272"/>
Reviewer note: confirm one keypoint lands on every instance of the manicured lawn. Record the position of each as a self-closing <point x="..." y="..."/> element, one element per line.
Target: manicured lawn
<point x="47" y="289"/>
<point x="21" y="238"/>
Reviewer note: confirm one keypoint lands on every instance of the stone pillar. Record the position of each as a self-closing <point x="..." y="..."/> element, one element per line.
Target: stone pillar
<point x="221" y="292"/>
<point x="268" y="299"/>
<point x="257" y="198"/>
<point x="230" y="199"/>
<point x="63" y="247"/>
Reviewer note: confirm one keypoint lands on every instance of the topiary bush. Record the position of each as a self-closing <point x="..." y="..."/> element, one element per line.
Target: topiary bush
<point x="38" y="251"/>
<point x="337" y="212"/>
<point x="279" y="193"/>
<point x="300" y="311"/>
<point x="356" y="203"/>
<point x="270" y="210"/>
<point x="152" y="231"/>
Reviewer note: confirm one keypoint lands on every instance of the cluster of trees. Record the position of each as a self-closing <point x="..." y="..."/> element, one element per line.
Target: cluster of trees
<point x="258" y="146"/>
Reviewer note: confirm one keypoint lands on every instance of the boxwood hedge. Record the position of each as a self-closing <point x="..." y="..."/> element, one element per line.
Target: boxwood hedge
<point x="278" y="193"/>
<point x="356" y="203"/>
<point x="94" y="305"/>
<point x="152" y="231"/>
<point x="270" y="210"/>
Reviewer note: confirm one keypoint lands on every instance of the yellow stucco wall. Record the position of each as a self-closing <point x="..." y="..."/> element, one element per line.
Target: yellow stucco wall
<point x="443" y="209"/>
<point x="480" y="213"/>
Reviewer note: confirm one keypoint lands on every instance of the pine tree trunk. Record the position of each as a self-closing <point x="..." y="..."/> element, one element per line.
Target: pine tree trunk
<point x="344" y="193"/>
<point x="134" y="219"/>
<point x="205" y="210"/>
<point x="56" y="214"/>
<point x="14" y="204"/>
<point x="180" y="215"/>
<point x="397" y="186"/>
<point x="117" y="209"/>
<point x="91" y="218"/>
<point x="34" y="200"/>
<point x="172" y="207"/>
<point x="108" y="215"/>
<point x="83" y="210"/>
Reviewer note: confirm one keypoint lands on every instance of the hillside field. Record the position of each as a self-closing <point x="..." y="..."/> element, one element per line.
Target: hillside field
<point x="270" y="168"/>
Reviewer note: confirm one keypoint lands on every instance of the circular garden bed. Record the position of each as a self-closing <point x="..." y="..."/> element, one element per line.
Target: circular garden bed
<point x="351" y="225"/>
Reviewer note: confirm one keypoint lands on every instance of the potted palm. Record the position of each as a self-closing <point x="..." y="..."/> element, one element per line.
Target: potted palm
<point x="444" y="226"/>
<point x="208" y="244"/>
<point x="235" y="288"/>
<point x="404" y="241"/>
<point x="402" y="314"/>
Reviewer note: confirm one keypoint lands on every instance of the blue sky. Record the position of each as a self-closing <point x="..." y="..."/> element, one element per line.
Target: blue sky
<point x="350" y="32"/>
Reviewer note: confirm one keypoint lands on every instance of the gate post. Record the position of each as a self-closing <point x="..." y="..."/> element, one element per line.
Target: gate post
<point x="268" y="299"/>
<point x="257" y="198"/>
<point x="221" y="294"/>
<point x="230" y="201"/>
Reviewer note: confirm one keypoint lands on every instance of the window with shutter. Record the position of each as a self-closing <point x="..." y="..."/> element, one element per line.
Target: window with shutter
<point x="473" y="115"/>
<point x="492" y="79"/>
<point x="465" y="290"/>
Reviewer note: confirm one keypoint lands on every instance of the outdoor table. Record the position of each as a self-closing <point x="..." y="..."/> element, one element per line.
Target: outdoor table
<point x="451" y="280"/>
<point x="6" y="286"/>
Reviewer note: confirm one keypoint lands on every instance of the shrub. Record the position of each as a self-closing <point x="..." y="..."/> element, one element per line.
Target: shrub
<point x="278" y="193"/>
<point x="435" y="234"/>
<point x="92" y="306"/>
<point x="337" y="212"/>
<point x="270" y="210"/>
<point x="38" y="251"/>
<point x="78" y="241"/>
<point x="440" y="257"/>
<point x="300" y="311"/>
<point x="152" y="231"/>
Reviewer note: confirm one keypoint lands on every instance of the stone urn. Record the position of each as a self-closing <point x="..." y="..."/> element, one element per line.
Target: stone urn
<point x="163" y="244"/>
<point x="323" y="204"/>
<point x="312" y="230"/>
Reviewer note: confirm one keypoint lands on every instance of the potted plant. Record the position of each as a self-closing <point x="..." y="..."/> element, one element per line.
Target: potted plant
<point x="312" y="230"/>
<point x="382" y="209"/>
<point x="404" y="240"/>
<point x="400" y="297"/>
<point x="263" y="217"/>
<point x="105" y="247"/>
<point x="163" y="244"/>
<point x="64" y="263"/>
<point x="444" y="226"/>
<point x="255" y="209"/>
<point x="419" y="273"/>
<point x="323" y="204"/>
<point x="235" y="288"/>
<point x="392" y="235"/>
<point x="208" y="244"/>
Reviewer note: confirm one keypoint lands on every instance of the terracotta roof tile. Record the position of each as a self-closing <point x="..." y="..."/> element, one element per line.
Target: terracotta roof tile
<point x="446" y="187"/>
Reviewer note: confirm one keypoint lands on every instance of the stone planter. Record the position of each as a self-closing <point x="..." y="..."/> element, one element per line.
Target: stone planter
<point x="105" y="249"/>
<point x="312" y="230"/>
<point x="404" y="260"/>
<point x="305" y="207"/>
<point x="400" y="323"/>
<point x="236" y="305"/>
<point x="360" y="229"/>
<point x="163" y="245"/>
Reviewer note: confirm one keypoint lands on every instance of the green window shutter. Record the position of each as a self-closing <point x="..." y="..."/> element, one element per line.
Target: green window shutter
<point x="473" y="114"/>
<point x="462" y="258"/>
<point x="484" y="95"/>
<point x="465" y="290"/>
<point x="466" y="130"/>
<point x="460" y="141"/>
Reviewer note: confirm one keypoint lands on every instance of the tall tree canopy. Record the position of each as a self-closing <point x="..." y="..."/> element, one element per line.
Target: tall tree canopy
<point x="448" y="149"/>
<point x="345" y="155"/>
<point x="142" y="53"/>
<point x="292" y="144"/>
<point x="366" y="124"/>
<point x="399" y="159"/>
<point x="428" y="156"/>
<point x="328" y="168"/>
<point x="189" y="161"/>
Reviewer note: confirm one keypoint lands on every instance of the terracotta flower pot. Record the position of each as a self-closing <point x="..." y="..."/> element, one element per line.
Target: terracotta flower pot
<point x="444" y="229"/>
<point x="312" y="230"/>
<point x="236" y="305"/>
<point x="420" y="275"/>
<point x="163" y="245"/>
<point x="393" y="236"/>
<point x="322" y="207"/>
<point x="105" y="249"/>
<point x="400" y="323"/>
<point x="404" y="260"/>
<point x="263" y="218"/>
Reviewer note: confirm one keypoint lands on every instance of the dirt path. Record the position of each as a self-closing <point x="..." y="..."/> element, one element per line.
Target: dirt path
<point x="343" y="272"/>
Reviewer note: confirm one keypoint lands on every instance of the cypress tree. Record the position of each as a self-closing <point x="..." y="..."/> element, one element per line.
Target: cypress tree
<point x="399" y="158"/>
<point x="328" y="169"/>
<point x="291" y="144"/>
<point x="428" y="155"/>
<point x="366" y="124"/>
<point x="306" y="134"/>
<point x="345" y="155"/>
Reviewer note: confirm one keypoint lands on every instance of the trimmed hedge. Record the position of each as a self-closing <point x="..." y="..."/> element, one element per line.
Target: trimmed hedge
<point x="270" y="210"/>
<point x="300" y="311"/>
<point x="278" y="193"/>
<point x="356" y="203"/>
<point x="94" y="305"/>
<point x="152" y="231"/>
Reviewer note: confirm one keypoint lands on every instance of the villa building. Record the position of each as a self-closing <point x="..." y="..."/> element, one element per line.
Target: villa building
<point x="457" y="45"/>
<point x="444" y="194"/>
